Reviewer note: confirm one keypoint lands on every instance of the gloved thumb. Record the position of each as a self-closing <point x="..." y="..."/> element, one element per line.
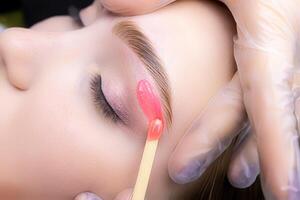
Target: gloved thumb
<point x="133" y="7"/>
<point x="87" y="196"/>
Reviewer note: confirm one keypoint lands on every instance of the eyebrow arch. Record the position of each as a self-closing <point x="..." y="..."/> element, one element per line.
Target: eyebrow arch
<point x="142" y="47"/>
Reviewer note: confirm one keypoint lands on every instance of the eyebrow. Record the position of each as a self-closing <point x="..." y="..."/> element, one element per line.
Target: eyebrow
<point x="130" y="33"/>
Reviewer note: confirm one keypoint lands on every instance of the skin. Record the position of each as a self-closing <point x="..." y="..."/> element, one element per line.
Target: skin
<point x="55" y="143"/>
<point x="267" y="39"/>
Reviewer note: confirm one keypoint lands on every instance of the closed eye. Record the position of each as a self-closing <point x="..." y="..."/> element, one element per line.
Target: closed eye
<point x="101" y="101"/>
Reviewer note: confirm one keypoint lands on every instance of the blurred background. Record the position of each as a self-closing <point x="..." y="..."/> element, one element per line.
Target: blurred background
<point x="25" y="13"/>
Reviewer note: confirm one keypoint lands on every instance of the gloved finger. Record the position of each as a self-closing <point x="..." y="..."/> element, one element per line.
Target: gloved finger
<point x="209" y="135"/>
<point x="134" y="7"/>
<point x="265" y="51"/>
<point x="244" y="165"/>
<point x="87" y="196"/>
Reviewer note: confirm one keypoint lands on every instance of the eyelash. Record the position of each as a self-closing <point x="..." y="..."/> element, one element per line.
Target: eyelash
<point x="101" y="101"/>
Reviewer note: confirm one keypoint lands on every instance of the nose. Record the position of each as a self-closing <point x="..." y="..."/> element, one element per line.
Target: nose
<point x="19" y="49"/>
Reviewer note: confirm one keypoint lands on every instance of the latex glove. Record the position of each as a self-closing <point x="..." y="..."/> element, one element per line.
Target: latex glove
<point x="244" y="166"/>
<point x="265" y="51"/>
<point x="133" y="7"/>
<point x="212" y="132"/>
<point x="87" y="196"/>
<point x="125" y="195"/>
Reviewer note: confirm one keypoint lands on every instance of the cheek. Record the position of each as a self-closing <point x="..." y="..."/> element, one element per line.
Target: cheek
<point x="60" y="148"/>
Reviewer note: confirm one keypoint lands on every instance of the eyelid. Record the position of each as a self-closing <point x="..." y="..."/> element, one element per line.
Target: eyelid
<point x="129" y="32"/>
<point x="101" y="101"/>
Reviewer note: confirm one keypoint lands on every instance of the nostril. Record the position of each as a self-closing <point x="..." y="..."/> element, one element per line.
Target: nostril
<point x="17" y="53"/>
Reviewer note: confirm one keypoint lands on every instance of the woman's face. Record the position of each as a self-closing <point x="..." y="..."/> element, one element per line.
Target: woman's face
<point x="70" y="121"/>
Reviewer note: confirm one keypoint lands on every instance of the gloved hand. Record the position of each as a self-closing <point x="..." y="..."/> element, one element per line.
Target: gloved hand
<point x="125" y="195"/>
<point x="133" y="7"/>
<point x="265" y="51"/>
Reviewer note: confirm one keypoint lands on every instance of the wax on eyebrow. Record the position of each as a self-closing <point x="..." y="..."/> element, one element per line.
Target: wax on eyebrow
<point x="151" y="107"/>
<point x="148" y="101"/>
